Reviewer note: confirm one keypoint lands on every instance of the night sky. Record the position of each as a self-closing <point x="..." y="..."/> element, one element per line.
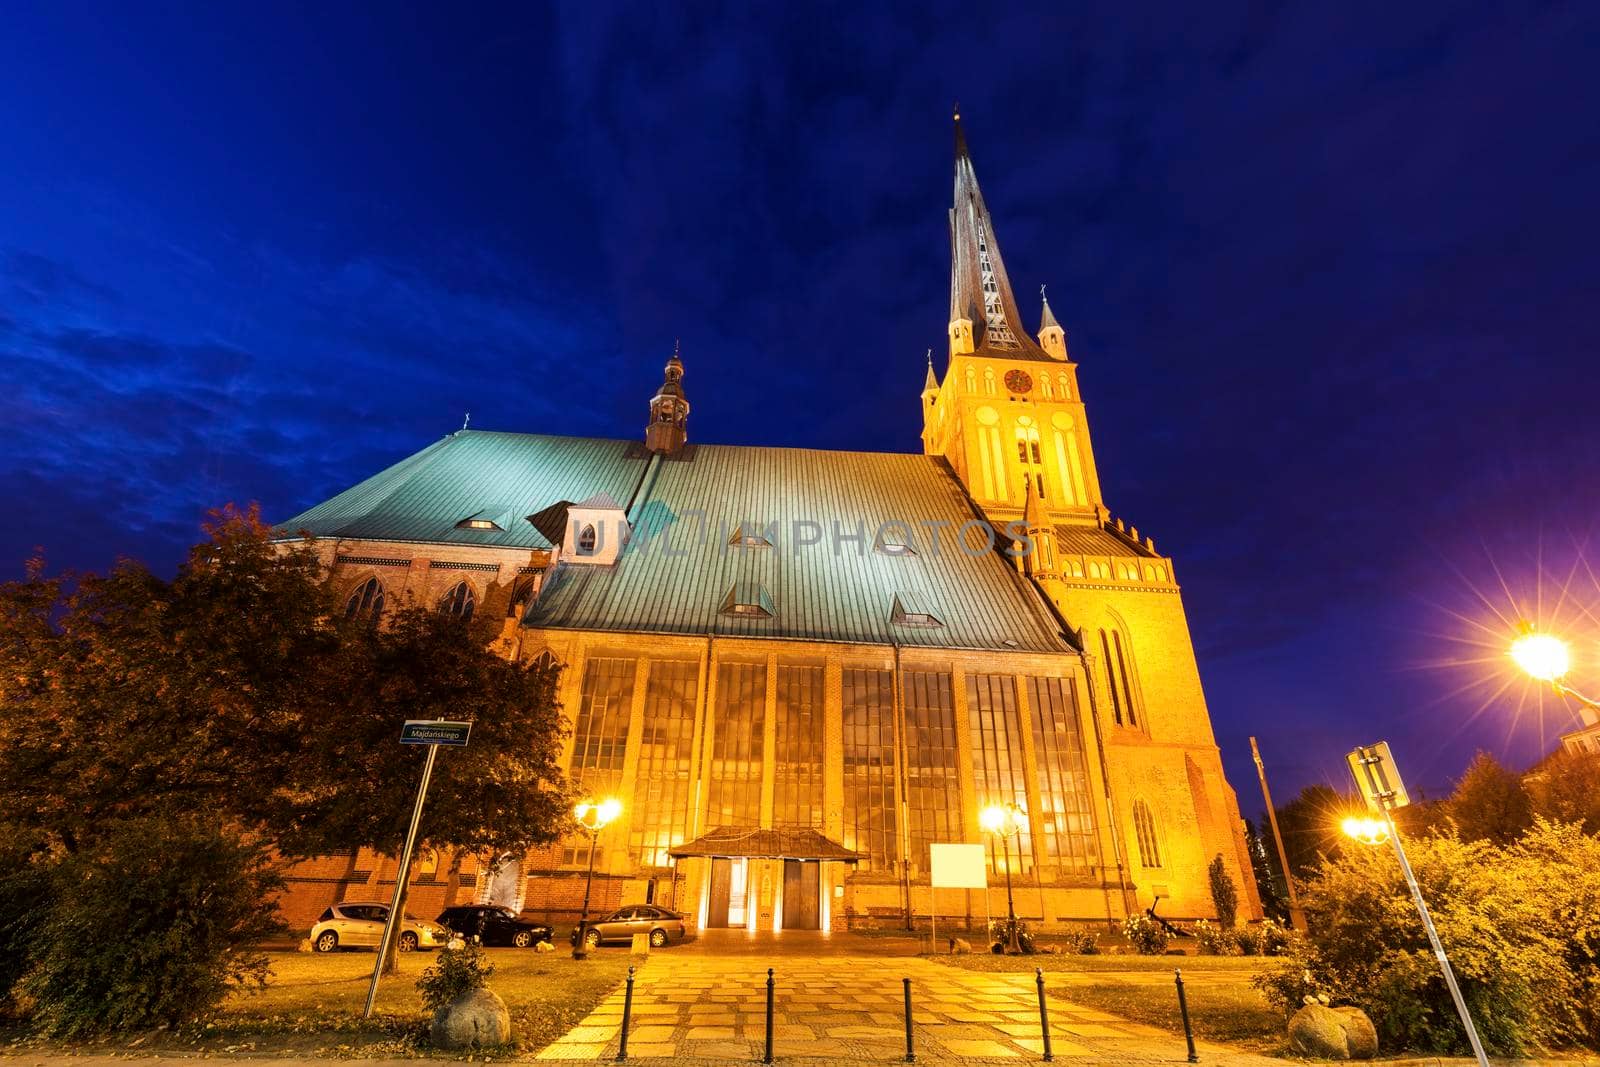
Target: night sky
<point x="1330" y="277"/>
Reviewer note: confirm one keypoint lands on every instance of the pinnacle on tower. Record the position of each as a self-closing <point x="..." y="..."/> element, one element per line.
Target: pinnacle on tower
<point x="668" y="429"/>
<point x="1052" y="338"/>
<point x="930" y="384"/>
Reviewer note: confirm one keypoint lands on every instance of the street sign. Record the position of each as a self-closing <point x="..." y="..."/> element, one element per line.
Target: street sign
<point x="429" y="732"/>
<point x="958" y="867"/>
<point x="1374" y="771"/>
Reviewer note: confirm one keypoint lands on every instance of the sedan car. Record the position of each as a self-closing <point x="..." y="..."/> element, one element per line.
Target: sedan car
<point x="354" y="924"/>
<point x="663" y="926"/>
<point x="494" y="925"/>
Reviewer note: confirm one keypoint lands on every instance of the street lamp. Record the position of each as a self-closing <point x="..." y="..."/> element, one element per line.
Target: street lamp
<point x="1006" y="821"/>
<point x="1367" y="831"/>
<point x="592" y="816"/>
<point x="1546" y="658"/>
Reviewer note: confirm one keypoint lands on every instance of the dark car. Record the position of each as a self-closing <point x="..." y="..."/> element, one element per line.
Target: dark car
<point x="494" y="925"/>
<point x="662" y="925"/>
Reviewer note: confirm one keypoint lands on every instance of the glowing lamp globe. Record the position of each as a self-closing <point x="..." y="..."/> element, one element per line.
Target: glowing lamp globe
<point x="992" y="818"/>
<point x="1542" y="656"/>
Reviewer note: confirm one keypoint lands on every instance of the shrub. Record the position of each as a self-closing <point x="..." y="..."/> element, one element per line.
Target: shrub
<point x="25" y="868"/>
<point x="1266" y="938"/>
<point x="1224" y="896"/>
<point x="1213" y="940"/>
<point x="1519" y="924"/>
<point x="1083" y="942"/>
<point x="455" y="971"/>
<point x="1148" y="936"/>
<point x="151" y="924"/>
<point x="1000" y="934"/>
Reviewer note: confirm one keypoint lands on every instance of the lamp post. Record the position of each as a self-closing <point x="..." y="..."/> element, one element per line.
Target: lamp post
<point x="1545" y="658"/>
<point x="592" y="817"/>
<point x="1006" y="821"/>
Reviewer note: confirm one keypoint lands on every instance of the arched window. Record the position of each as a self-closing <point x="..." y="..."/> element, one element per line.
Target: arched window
<point x="1066" y="389"/>
<point x="459" y="601"/>
<point x="366" y="600"/>
<point x="587" y="539"/>
<point x="1116" y="660"/>
<point x="1144" y="827"/>
<point x="1044" y="387"/>
<point x="521" y="594"/>
<point x="988" y="380"/>
<point x="972" y="379"/>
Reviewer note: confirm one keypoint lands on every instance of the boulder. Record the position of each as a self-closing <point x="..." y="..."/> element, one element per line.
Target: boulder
<point x="475" y="1019"/>
<point x="1332" y="1033"/>
<point x="544" y="946"/>
<point x="960" y="946"/>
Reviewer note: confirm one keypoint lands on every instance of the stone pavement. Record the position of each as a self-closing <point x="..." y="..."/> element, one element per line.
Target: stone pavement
<point x="706" y="1008"/>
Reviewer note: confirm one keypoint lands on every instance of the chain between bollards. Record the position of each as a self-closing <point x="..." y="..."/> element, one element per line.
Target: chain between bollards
<point x="1044" y="1014"/>
<point x="1183" y="1009"/>
<point x="768" y="1057"/>
<point x="911" y="1053"/>
<point x="627" y="1011"/>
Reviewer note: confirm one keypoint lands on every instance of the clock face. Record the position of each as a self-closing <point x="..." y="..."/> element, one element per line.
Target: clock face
<point x="1018" y="381"/>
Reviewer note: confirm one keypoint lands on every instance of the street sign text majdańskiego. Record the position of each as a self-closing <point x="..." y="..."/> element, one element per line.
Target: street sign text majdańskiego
<point x="428" y="732"/>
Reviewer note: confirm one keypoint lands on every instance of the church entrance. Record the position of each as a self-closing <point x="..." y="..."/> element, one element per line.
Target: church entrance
<point x="802" y="884"/>
<point x="729" y="884"/>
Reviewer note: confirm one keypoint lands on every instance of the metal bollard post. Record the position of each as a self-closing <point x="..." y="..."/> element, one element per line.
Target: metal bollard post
<point x="1044" y="1014"/>
<point x="911" y="1053"/>
<point x="627" y="1011"/>
<point x="1183" y="1009"/>
<point x="768" y="1057"/>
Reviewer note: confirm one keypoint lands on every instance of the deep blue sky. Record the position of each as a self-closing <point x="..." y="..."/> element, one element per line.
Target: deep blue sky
<point x="1330" y="275"/>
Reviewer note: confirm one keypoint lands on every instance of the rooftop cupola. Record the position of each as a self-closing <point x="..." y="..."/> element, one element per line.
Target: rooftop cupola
<point x="1052" y="338"/>
<point x="668" y="429"/>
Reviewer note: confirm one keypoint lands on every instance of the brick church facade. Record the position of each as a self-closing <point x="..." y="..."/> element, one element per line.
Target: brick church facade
<point x="800" y="669"/>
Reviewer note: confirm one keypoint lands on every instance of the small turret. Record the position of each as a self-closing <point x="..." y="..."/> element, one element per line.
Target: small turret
<point x="1052" y="338"/>
<point x="668" y="429"/>
<point x="930" y="384"/>
<point x="1040" y="561"/>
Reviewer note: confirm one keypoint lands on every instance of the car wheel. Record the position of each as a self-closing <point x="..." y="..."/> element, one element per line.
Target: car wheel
<point x="408" y="942"/>
<point x="327" y="941"/>
<point x="592" y="939"/>
<point x="658" y="938"/>
<point x="523" y="939"/>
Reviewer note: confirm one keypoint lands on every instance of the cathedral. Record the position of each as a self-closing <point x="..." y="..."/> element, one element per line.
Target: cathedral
<point x="800" y="670"/>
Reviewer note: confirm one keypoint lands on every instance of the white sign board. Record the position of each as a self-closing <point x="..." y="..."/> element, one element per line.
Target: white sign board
<point x="958" y="867"/>
<point x="1374" y="771"/>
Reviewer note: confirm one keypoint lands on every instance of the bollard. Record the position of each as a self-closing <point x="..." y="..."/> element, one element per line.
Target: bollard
<point x="627" y="1010"/>
<point x="1044" y="1014"/>
<point x="1183" y="1009"/>
<point x="911" y="1053"/>
<point x="768" y="1057"/>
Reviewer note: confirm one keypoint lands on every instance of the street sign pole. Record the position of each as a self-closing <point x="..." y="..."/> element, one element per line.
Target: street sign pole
<point x="413" y="733"/>
<point x="1377" y="767"/>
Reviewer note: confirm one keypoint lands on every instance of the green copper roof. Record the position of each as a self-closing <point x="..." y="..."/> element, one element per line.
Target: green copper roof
<point x="503" y="477"/>
<point x="678" y="570"/>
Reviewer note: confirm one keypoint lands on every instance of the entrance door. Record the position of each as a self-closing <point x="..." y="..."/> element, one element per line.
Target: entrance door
<point x="802" y="883"/>
<point x="721" y="875"/>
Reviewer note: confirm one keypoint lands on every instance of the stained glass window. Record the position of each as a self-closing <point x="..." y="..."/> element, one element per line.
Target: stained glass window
<point x="997" y="755"/>
<point x="1065" y="821"/>
<point x="933" y="780"/>
<point x="868" y="719"/>
<point x="600" y="737"/>
<point x="737" y="745"/>
<point x="661" y="795"/>
<point x="797" y="792"/>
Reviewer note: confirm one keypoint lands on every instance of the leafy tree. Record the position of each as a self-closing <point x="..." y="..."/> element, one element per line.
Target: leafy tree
<point x="1269" y="883"/>
<point x="1490" y="803"/>
<point x="1566" y="788"/>
<point x="1309" y="824"/>
<point x="1224" y="895"/>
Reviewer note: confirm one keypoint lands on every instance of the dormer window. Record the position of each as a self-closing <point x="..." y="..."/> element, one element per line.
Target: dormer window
<point x="476" y="523"/>
<point x="911" y="610"/>
<point x="747" y="537"/>
<point x="748" y="600"/>
<point x="893" y="543"/>
<point x="588" y="539"/>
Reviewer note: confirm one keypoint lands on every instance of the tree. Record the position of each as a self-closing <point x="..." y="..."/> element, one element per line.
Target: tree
<point x="1490" y="803"/>
<point x="1224" y="895"/>
<point x="1566" y="788"/>
<point x="1310" y="827"/>
<point x="1269" y="884"/>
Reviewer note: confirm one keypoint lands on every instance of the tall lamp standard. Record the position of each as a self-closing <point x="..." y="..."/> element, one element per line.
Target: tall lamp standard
<point x="1006" y="821"/>
<point x="592" y="817"/>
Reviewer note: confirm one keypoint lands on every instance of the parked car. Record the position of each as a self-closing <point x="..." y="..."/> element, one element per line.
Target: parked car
<point x="494" y="925"/>
<point x="354" y="924"/>
<point x="663" y="926"/>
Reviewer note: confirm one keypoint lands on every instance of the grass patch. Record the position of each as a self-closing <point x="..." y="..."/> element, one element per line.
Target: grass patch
<point x="1245" y="966"/>
<point x="1229" y="1012"/>
<point x="312" y="1006"/>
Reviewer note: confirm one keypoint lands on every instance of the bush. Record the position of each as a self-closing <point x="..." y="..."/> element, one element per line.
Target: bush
<point x="1000" y="934"/>
<point x="150" y="925"/>
<point x="24" y="898"/>
<point x="455" y="971"/>
<point x="1224" y="896"/>
<point x="1148" y="936"/>
<point x="1083" y="942"/>
<point x="1265" y="938"/>
<point x="1520" y="924"/>
<point x="1213" y="940"/>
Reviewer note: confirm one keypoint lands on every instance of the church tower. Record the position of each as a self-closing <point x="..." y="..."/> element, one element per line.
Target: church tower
<point x="1008" y="416"/>
<point x="668" y="429"/>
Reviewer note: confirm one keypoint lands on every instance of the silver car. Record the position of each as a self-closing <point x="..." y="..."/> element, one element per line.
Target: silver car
<point x="355" y="924"/>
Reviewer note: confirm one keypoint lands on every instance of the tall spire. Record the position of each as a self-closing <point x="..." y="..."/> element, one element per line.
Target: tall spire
<point x="930" y="384"/>
<point x="668" y="429"/>
<point x="980" y="291"/>
<point x="1052" y="338"/>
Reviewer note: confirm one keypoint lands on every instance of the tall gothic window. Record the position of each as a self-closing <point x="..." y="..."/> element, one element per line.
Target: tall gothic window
<point x="933" y="781"/>
<point x="868" y="717"/>
<point x="1065" y="822"/>
<point x="1144" y="827"/>
<point x="997" y="754"/>
<point x="988" y="380"/>
<point x="1117" y="660"/>
<point x="737" y="745"/>
<point x="661" y="797"/>
<point x="600" y="736"/>
<point x="459" y="601"/>
<point x="366" y="600"/>
<point x="797" y="770"/>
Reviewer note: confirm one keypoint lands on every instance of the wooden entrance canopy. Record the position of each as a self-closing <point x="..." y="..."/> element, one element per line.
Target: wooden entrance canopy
<point x="782" y="843"/>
